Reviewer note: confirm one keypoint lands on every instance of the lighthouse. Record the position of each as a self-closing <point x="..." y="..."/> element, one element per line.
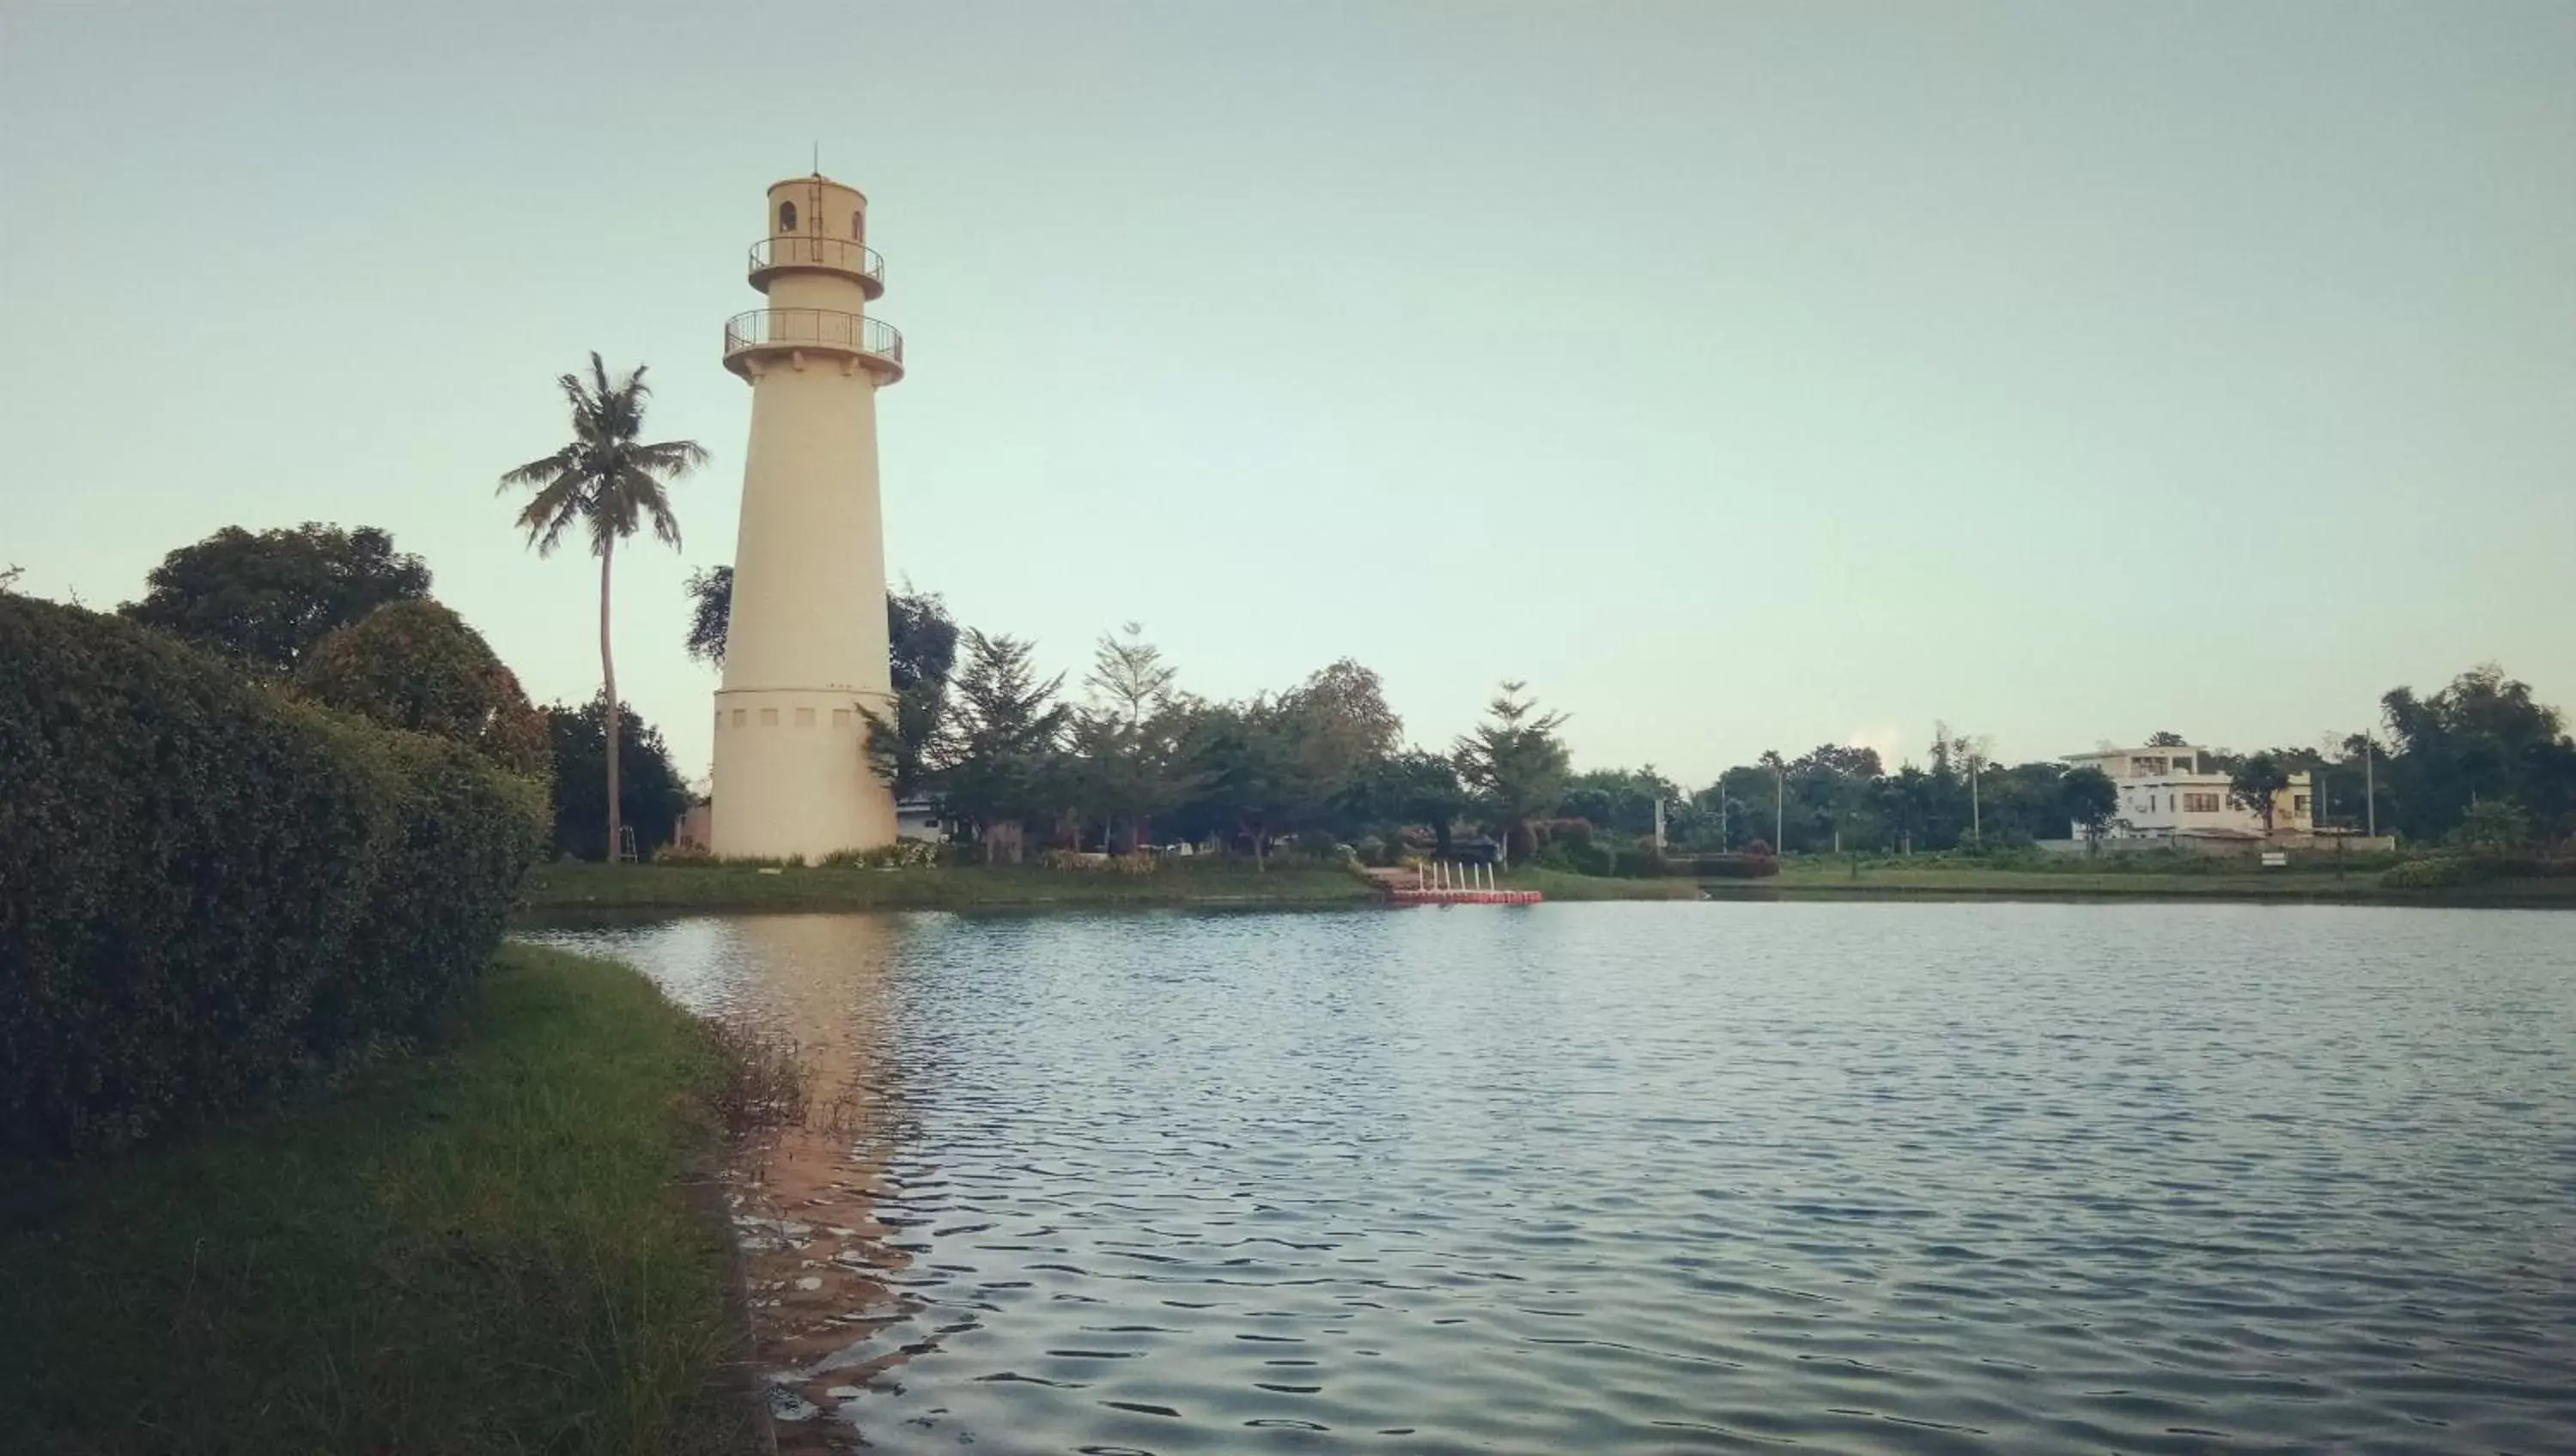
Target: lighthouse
<point x="805" y="654"/>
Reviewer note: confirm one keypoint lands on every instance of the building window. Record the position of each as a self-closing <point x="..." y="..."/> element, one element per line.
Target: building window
<point x="2298" y="803"/>
<point x="740" y="716"/>
<point x="804" y="717"/>
<point x="2200" y="803"/>
<point x="840" y="717"/>
<point x="769" y="717"/>
<point x="787" y="217"/>
<point x="858" y="225"/>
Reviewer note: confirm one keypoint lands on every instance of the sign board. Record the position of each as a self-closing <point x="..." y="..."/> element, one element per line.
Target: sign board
<point x="2274" y="859"/>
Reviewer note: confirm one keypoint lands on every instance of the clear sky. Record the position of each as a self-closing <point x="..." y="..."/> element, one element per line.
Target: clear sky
<point x="1740" y="375"/>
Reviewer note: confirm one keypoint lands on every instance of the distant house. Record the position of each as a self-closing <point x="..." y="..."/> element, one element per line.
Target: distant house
<point x="918" y="818"/>
<point x="695" y="829"/>
<point x="2169" y="793"/>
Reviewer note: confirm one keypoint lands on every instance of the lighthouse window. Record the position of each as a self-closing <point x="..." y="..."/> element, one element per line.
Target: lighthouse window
<point x="787" y="217"/>
<point x="858" y="224"/>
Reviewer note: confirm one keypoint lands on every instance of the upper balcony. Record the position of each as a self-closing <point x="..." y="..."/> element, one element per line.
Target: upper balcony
<point x="872" y="344"/>
<point x="811" y="253"/>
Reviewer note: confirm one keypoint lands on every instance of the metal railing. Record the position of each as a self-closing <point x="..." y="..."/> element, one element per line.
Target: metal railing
<point x="822" y="327"/>
<point x="802" y="250"/>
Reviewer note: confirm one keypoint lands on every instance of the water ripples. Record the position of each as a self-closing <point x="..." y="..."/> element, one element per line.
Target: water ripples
<point x="1875" y="1178"/>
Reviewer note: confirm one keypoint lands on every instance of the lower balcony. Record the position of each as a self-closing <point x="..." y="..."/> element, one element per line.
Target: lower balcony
<point x="766" y="333"/>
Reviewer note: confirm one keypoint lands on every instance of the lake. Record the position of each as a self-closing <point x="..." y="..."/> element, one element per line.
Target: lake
<point x="1680" y="1177"/>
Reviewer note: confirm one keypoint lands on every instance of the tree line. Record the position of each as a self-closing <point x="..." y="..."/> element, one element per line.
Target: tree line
<point x="1128" y="755"/>
<point x="1132" y="757"/>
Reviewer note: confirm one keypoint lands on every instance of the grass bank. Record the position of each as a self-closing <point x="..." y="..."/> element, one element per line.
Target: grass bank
<point x="1558" y="885"/>
<point x="2313" y="882"/>
<point x="582" y="886"/>
<point x="491" y="1248"/>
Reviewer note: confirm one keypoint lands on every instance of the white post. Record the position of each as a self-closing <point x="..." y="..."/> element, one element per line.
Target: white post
<point x="2369" y="786"/>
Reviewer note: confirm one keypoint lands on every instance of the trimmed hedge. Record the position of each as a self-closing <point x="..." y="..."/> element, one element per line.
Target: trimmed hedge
<point x="207" y="890"/>
<point x="2444" y="871"/>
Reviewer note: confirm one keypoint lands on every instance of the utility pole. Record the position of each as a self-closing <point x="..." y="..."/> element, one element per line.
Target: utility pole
<point x="2369" y="786"/>
<point x="1976" y="812"/>
<point x="1779" y="800"/>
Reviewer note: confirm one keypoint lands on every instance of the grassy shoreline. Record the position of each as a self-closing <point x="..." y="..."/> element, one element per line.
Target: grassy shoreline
<point x="576" y="889"/>
<point x="502" y="1244"/>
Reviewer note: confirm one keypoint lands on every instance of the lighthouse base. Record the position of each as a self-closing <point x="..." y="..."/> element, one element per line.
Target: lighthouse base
<point x="792" y="776"/>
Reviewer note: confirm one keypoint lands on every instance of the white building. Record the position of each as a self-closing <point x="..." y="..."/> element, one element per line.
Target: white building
<point x="2168" y="793"/>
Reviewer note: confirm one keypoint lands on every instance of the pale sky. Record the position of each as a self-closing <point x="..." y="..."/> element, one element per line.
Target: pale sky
<point x="1739" y="375"/>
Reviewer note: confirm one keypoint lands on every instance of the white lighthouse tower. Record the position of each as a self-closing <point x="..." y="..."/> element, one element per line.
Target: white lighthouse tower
<point x="806" y="649"/>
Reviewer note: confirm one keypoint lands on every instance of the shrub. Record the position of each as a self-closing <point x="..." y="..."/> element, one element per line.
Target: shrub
<point x="651" y="794"/>
<point x="207" y="890"/>
<point x="2428" y="874"/>
<point x="416" y="665"/>
<point x="903" y="854"/>
<point x="1562" y="831"/>
<point x="1117" y="864"/>
<point x="1638" y="862"/>
<point x="1576" y="856"/>
<point x="1746" y="866"/>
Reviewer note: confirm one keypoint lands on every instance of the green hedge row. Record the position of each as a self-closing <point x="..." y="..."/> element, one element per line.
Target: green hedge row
<point x="207" y="890"/>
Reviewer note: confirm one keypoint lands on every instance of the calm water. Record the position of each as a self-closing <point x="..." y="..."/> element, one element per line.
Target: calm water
<point x="1901" y="1178"/>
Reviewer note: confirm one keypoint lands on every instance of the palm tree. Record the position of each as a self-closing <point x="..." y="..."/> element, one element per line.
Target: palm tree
<point x="609" y="483"/>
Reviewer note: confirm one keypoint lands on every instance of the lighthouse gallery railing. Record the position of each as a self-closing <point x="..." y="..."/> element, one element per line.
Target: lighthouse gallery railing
<point x="804" y="250"/>
<point x="822" y="327"/>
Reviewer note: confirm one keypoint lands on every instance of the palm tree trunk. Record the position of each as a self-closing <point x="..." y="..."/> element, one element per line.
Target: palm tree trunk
<point x="608" y="679"/>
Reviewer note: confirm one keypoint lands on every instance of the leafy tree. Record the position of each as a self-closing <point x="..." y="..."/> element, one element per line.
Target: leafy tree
<point x="1003" y="765"/>
<point x="1908" y="804"/>
<point x="921" y="637"/>
<point x="2090" y="800"/>
<point x="1516" y="764"/>
<point x="9" y="578"/>
<point x="1250" y="778"/>
<point x="1619" y="802"/>
<point x="2167" y="738"/>
<point x="653" y="793"/>
<point x="2483" y="737"/>
<point x="1128" y="745"/>
<point x="610" y="483"/>
<point x="1831" y="795"/>
<point x="1411" y="787"/>
<point x="904" y="743"/>
<point x="416" y="665"/>
<point x="265" y="599"/>
<point x="1345" y="706"/>
<point x="2492" y="826"/>
<point x="710" y="614"/>
<point x="1129" y="675"/>
<point x="2255" y="786"/>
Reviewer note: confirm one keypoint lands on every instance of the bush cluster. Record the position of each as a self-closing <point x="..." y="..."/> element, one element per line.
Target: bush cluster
<point x="903" y="854"/>
<point x="207" y="890"/>
<point x="2443" y="871"/>
<point x="1114" y="864"/>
